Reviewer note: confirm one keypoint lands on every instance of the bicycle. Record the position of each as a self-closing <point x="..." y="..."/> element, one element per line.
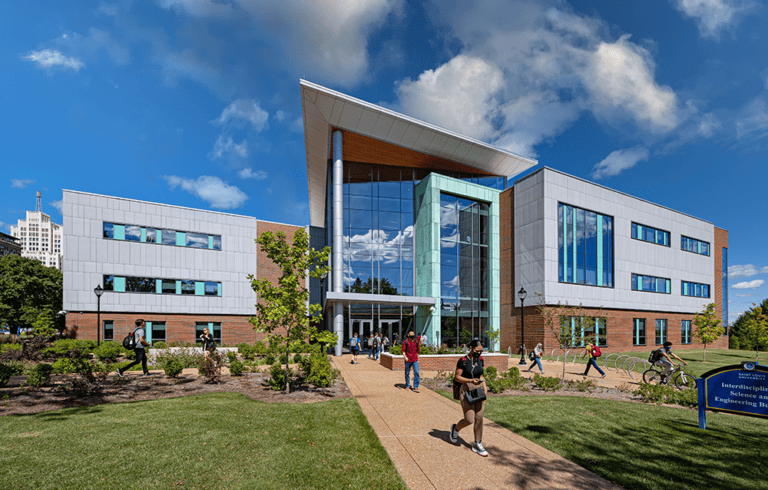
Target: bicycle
<point x="681" y="380"/>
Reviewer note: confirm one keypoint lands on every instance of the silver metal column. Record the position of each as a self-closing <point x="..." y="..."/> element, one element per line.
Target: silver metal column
<point x="338" y="229"/>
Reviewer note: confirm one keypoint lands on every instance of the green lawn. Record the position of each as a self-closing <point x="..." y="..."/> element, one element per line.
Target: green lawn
<point x="642" y="447"/>
<point x="221" y="440"/>
<point x="715" y="358"/>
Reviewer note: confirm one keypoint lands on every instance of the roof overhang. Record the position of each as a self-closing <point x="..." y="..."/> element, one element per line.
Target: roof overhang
<point x="324" y="109"/>
<point x="376" y="299"/>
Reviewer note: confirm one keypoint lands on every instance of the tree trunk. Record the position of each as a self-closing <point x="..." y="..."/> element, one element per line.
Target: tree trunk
<point x="704" y="359"/>
<point x="287" y="378"/>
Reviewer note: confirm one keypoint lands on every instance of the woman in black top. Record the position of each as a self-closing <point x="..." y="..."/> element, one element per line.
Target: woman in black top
<point x="209" y="345"/>
<point x="469" y="372"/>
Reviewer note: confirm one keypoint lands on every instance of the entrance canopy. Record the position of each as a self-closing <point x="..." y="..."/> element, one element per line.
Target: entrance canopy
<point x="376" y="299"/>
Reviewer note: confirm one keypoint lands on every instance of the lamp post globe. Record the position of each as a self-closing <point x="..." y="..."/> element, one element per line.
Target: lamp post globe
<point x="521" y="295"/>
<point x="98" y="291"/>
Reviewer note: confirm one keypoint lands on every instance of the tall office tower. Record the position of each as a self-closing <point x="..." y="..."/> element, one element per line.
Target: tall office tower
<point x="40" y="238"/>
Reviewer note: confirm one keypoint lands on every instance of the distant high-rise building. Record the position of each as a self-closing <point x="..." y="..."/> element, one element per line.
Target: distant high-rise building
<point x="40" y="238"/>
<point x="9" y="245"/>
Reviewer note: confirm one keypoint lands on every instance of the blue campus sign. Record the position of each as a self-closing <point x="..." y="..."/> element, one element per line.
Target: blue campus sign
<point x="741" y="389"/>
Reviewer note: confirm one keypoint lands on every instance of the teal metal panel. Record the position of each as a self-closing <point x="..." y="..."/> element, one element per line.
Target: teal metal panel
<point x="199" y="288"/>
<point x="143" y="234"/>
<point x="210" y="241"/>
<point x="119" y="232"/>
<point x="158" y="286"/>
<point x="219" y="289"/>
<point x="148" y="332"/>
<point x="178" y="287"/>
<point x="181" y="238"/>
<point x="599" y="249"/>
<point x="159" y="237"/>
<point x="119" y="284"/>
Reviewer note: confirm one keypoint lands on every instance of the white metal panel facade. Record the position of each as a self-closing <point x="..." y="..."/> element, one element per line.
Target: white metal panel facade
<point x="536" y="246"/>
<point x="89" y="256"/>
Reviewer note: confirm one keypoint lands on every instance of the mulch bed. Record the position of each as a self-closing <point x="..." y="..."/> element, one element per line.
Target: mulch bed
<point x="17" y="400"/>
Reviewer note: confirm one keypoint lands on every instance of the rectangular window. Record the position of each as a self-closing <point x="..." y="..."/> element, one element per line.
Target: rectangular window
<point x="211" y="288"/>
<point x="213" y="327"/>
<point x="694" y="245"/>
<point x="651" y="284"/>
<point x="109" y="230"/>
<point x="151" y="235"/>
<point x="585" y="247"/>
<point x="197" y="240"/>
<point x="187" y="287"/>
<point x="694" y="289"/>
<point x="132" y="233"/>
<point x="638" y="331"/>
<point x="158" y="331"/>
<point x="153" y="285"/>
<point x="649" y="234"/>
<point x="661" y="332"/>
<point x="109" y="283"/>
<point x="136" y="233"/>
<point x="169" y="286"/>
<point x="685" y="332"/>
<point x="109" y="330"/>
<point x="169" y="237"/>
<point x="584" y="329"/>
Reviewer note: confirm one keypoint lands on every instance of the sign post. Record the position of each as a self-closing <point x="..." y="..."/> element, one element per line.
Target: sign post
<point x="740" y="389"/>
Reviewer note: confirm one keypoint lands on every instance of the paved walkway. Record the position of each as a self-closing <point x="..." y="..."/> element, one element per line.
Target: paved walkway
<point x="413" y="428"/>
<point x="573" y="371"/>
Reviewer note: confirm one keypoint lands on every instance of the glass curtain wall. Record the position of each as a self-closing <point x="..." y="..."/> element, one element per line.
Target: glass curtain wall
<point x="463" y="269"/>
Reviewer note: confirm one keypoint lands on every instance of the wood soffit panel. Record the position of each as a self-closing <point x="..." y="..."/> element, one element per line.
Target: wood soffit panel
<point x="363" y="149"/>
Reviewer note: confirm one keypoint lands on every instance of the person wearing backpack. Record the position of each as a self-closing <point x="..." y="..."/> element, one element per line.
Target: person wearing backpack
<point x="375" y="344"/>
<point x="138" y="348"/>
<point x="662" y="358"/>
<point x="411" y="357"/>
<point x="536" y="358"/>
<point x="354" y="347"/>
<point x="593" y="352"/>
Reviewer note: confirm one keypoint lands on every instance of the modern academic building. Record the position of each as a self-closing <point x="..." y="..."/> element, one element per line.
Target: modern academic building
<point x="429" y="230"/>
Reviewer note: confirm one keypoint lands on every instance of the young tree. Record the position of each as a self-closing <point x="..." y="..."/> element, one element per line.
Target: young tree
<point x="27" y="288"/>
<point x="493" y="334"/>
<point x="755" y="328"/>
<point x="284" y="306"/>
<point x="557" y="319"/>
<point x="707" y="327"/>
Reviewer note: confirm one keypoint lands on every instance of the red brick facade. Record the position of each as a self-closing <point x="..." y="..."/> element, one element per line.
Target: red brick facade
<point x="181" y="327"/>
<point x="721" y="241"/>
<point x="507" y="267"/>
<point x="442" y="362"/>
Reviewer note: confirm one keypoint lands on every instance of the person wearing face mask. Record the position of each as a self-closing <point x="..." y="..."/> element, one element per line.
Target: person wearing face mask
<point x="469" y="372"/>
<point x="411" y="356"/>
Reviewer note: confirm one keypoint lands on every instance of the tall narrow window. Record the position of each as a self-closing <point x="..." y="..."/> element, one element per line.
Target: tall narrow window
<point x="109" y="330"/>
<point x="661" y="331"/>
<point x="585" y="247"/>
<point x="685" y="332"/>
<point x="638" y="331"/>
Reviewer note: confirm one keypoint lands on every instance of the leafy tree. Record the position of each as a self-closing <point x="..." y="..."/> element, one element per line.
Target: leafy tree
<point x="371" y="286"/>
<point x="707" y="327"/>
<point x="493" y="334"/>
<point x="755" y="328"/>
<point x="557" y="321"/>
<point x="44" y="324"/>
<point x="283" y="307"/>
<point x="27" y="288"/>
<point x="741" y="333"/>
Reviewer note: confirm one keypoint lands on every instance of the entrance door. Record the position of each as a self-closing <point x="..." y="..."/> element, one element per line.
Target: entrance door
<point x="363" y="329"/>
<point x="390" y="327"/>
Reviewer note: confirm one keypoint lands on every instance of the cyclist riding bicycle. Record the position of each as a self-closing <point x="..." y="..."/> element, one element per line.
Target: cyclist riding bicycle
<point x="663" y="359"/>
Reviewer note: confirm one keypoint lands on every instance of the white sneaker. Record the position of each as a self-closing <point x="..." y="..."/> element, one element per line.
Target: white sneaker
<point x="454" y="434"/>
<point x="479" y="449"/>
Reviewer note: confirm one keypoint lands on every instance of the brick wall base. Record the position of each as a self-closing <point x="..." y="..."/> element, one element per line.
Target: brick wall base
<point x="235" y="329"/>
<point x="619" y="331"/>
<point x="445" y="362"/>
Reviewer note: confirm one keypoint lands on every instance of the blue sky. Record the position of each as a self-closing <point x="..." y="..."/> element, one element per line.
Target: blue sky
<point x="196" y="102"/>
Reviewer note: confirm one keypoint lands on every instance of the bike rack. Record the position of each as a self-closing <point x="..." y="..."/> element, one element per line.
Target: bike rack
<point x="605" y="364"/>
<point x="583" y="353"/>
<point x="628" y="364"/>
<point x="552" y="355"/>
<point x="616" y="362"/>
<point x="566" y="355"/>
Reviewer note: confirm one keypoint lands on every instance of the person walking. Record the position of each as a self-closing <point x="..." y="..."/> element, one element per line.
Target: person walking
<point x="394" y="339"/>
<point x="592" y="353"/>
<point x="138" y="349"/>
<point x="375" y="344"/>
<point x="370" y="346"/>
<point x="384" y="343"/>
<point x="354" y="347"/>
<point x="411" y="356"/>
<point x="469" y="372"/>
<point x="536" y="358"/>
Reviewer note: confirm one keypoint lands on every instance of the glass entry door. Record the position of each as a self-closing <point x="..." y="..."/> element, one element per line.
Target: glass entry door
<point x="389" y="328"/>
<point x="364" y="329"/>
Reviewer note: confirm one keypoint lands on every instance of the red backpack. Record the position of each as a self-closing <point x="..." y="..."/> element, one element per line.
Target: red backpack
<point x="596" y="351"/>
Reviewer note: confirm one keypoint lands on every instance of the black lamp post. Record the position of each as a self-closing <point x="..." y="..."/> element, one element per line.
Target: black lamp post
<point x="521" y="295"/>
<point x="98" y="292"/>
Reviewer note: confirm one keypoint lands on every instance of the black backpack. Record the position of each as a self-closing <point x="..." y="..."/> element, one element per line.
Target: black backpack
<point x="655" y="356"/>
<point x="129" y="342"/>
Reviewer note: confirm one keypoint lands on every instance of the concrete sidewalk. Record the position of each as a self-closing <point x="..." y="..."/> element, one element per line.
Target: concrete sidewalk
<point x="414" y="427"/>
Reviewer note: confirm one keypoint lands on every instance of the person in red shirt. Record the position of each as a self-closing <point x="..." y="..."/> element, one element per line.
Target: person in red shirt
<point x="411" y="356"/>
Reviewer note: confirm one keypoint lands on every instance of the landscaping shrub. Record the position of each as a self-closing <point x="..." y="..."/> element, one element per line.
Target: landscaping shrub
<point x="321" y="374"/>
<point x="109" y="351"/>
<point x="89" y="376"/>
<point x="297" y="358"/>
<point x="159" y="345"/>
<point x="210" y="367"/>
<point x="277" y="376"/>
<point x="270" y="359"/>
<point x="5" y="374"/>
<point x="490" y="373"/>
<point x="187" y="357"/>
<point x="396" y="350"/>
<point x="236" y="368"/>
<point x="17" y="368"/>
<point x="63" y="348"/>
<point x="582" y="385"/>
<point x="446" y="376"/>
<point x="173" y="368"/>
<point x="231" y="356"/>
<point x="7" y="347"/>
<point x="547" y="383"/>
<point x="659" y="394"/>
<point x="259" y="348"/>
<point x="40" y="375"/>
<point x="283" y="358"/>
<point x="512" y="373"/>
<point x="63" y="366"/>
<point x="245" y="351"/>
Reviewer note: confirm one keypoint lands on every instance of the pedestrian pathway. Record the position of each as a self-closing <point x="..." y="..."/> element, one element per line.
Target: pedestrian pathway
<point x="414" y="427"/>
<point x="613" y="378"/>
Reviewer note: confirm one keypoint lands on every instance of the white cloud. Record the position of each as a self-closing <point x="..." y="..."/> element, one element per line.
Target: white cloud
<point x="533" y="72"/>
<point x="744" y="270"/>
<point x="56" y="204"/>
<point x="457" y="95"/>
<point x="108" y="9"/>
<point x="210" y="189"/>
<point x="749" y="285"/>
<point x="743" y="295"/>
<point x="199" y="8"/>
<point x="753" y="119"/>
<point x="714" y="16"/>
<point x="241" y="112"/>
<point x="297" y="126"/>
<point x="225" y="146"/>
<point x="248" y="173"/>
<point x="282" y="115"/>
<point x="49" y="58"/>
<point x="619" y="161"/>
<point x="21" y="183"/>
